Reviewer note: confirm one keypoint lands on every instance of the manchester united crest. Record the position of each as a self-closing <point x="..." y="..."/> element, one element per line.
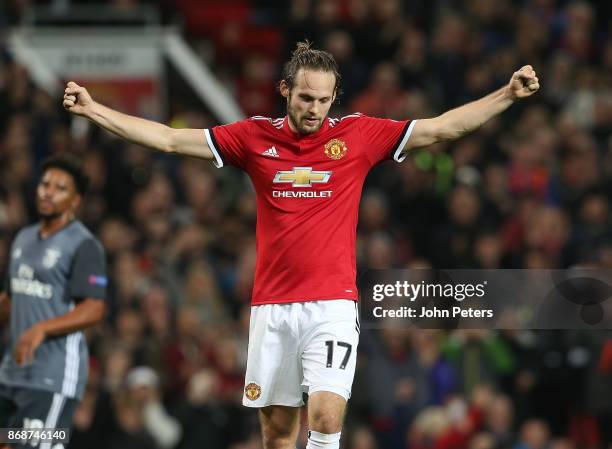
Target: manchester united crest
<point x="335" y="149"/>
<point x="252" y="391"/>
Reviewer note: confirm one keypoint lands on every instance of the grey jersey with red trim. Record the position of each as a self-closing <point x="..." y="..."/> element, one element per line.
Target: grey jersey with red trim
<point x="45" y="278"/>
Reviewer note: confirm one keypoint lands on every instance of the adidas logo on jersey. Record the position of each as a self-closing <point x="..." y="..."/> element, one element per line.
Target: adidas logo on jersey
<point x="271" y="152"/>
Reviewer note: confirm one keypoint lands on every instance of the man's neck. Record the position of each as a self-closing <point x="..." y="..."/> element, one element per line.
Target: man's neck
<point x="292" y="126"/>
<point x="49" y="226"/>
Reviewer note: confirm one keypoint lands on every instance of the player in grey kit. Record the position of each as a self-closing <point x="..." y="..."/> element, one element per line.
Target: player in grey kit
<point x="55" y="287"/>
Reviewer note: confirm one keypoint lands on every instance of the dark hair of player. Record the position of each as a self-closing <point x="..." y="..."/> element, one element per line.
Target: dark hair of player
<point x="306" y="57"/>
<point x="70" y="164"/>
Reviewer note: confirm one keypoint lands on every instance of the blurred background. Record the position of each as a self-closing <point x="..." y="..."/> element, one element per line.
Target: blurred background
<point x="530" y="189"/>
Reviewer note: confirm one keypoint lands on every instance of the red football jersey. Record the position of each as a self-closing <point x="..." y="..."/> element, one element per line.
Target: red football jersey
<point x="308" y="190"/>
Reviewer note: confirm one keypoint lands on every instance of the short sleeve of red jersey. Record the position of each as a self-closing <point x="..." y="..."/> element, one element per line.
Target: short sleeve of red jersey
<point x="385" y="138"/>
<point x="228" y="143"/>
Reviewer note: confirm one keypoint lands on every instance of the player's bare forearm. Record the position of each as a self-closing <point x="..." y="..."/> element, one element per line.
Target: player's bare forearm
<point x="134" y="129"/>
<point x="465" y="119"/>
<point x="190" y="142"/>
<point x="85" y="314"/>
<point x="5" y="309"/>
<point x="469" y="117"/>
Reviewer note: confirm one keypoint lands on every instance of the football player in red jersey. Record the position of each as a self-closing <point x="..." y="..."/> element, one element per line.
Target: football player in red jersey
<point x="308" y="171"/>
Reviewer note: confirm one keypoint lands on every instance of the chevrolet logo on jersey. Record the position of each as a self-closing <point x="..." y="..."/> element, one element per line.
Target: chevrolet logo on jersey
<point x="302" y="176"/>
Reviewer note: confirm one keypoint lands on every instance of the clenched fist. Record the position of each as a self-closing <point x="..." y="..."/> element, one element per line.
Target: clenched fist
<point x="523" y="83"/>
<point x="76" y="99"/>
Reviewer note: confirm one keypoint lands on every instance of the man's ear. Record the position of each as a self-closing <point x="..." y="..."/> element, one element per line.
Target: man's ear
<point x="283" y="87"/>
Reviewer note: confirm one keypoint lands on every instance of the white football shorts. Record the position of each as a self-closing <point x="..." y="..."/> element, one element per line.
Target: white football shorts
<point x="299" y="348"/>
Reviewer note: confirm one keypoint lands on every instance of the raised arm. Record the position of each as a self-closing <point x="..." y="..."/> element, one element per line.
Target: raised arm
<point x="190" y="142"/>
<point x="464" y="119"/>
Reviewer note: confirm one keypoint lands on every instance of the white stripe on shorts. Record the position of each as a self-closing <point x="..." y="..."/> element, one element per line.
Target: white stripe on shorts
<point x="55" y="412"/>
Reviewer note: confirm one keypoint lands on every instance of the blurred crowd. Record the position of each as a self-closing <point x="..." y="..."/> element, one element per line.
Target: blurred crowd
<point x="529" y="190"/>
